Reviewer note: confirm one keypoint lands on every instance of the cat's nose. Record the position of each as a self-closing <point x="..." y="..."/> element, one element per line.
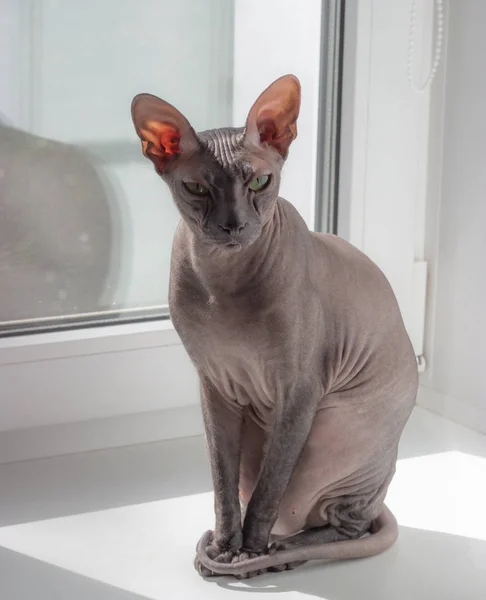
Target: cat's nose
<point x="233" y="228"/>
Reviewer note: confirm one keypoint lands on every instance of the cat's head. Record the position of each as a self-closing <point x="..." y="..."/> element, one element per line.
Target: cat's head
<point x="224" y="181"/>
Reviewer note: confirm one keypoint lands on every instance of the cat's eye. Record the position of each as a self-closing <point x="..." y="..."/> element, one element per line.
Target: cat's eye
<point x="196" y="189"/>
<point x="259" y="183"/>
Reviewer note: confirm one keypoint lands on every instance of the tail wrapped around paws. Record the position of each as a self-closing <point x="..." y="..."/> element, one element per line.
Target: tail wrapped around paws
<point x="384" y="533"/>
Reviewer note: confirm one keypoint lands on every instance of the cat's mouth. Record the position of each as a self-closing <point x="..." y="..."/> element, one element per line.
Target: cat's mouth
<point x="234" y="246"/>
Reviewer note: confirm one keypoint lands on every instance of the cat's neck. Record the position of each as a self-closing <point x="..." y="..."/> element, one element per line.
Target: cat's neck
<point x="226" y="272"/>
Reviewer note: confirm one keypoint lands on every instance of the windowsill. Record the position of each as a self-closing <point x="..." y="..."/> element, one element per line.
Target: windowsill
<point x="89" y="340"/>
<point x="124" y="523"/>
<point x="95" y="388"/>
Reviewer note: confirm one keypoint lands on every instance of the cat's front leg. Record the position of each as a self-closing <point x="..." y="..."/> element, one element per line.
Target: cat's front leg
<point x="295" y="412"/>
<point x="223" y="423"/>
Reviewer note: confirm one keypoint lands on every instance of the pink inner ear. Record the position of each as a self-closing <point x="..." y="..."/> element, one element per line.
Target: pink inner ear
<point x="267" y="131"/>
<point x="170" y="140"/>
<point x="278" y="139"/>
<point x="160" y="143"/>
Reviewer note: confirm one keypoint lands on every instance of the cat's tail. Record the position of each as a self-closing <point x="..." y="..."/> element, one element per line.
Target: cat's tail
<point x="384" y="533"/>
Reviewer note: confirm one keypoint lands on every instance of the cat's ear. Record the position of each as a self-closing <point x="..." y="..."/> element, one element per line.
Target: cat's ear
<point x="164" y="131"/>
<point x="272" y="119"/>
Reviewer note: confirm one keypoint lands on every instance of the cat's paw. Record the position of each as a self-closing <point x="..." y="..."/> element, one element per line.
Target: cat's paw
<point x="245" y="555"/>
<point x="201" y="569"/>
<point x="219" y="552"/>
<point x="278" y="547"/>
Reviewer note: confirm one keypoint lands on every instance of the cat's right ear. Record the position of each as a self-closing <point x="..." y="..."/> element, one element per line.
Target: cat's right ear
<point x="165" y="132"/>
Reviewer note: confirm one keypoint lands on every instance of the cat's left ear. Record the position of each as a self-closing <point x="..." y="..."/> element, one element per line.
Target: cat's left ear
<point x="164" y="131"/>
<point x="272" y="120"/>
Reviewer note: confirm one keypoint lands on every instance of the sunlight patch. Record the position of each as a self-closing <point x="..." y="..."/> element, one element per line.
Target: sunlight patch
<point x="443" y="492"/>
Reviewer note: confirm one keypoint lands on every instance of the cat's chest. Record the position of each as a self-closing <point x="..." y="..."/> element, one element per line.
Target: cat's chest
<point x="237" y="347"/>
<point x="242" y="379"/>
<point x="209" y="324"/>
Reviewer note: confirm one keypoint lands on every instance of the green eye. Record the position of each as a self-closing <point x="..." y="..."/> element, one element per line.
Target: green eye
<point x="259" y="183"/>
<point x="197" y="189"/>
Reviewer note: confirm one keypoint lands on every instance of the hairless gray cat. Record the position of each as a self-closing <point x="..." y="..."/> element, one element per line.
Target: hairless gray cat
<point x="307" y="373"/>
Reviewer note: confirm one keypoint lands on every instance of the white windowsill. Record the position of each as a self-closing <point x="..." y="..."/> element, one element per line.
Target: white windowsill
<point x="89" y="340"/>
<point x="123" y="524"/>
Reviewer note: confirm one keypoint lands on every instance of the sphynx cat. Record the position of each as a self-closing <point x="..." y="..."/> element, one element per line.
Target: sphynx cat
<point x="307" y="373"/>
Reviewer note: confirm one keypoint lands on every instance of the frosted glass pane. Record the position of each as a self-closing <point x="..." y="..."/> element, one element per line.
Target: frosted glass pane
<point x="85" y="224"/>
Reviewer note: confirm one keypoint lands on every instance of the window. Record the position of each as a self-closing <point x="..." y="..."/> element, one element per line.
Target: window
<point x="86" y="227"/>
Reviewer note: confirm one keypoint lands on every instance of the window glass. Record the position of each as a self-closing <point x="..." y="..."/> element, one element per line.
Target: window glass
<point x="86" y="227"/>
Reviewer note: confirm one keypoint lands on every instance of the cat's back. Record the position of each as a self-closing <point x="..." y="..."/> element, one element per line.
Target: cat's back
<point x="349" y="280"/>
<point x="367" y="338"/>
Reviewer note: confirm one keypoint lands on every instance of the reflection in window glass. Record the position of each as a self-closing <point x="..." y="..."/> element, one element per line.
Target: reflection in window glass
<point x="85" y="225"/>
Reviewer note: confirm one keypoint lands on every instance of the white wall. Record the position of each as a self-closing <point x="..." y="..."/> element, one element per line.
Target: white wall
<point x="455" y="382"/>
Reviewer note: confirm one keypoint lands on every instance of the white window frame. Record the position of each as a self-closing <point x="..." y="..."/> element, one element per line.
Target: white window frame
<point x="107" y="386"/>
<point x="385" y="127"/>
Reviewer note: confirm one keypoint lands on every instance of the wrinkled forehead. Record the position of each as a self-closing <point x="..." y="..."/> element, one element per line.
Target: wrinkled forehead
<point x="226" y="146"/>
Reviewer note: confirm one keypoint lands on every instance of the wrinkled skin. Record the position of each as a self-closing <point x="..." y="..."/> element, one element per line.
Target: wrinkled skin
<point x="307" y="373"/>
